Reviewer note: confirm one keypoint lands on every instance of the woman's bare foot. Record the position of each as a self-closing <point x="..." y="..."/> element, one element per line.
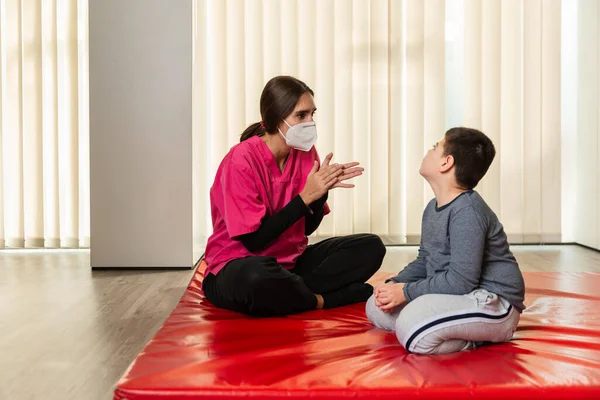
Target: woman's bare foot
<point x="320" y="301"/>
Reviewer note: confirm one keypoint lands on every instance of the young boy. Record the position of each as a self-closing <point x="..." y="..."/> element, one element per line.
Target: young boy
<point x="465" y="287"/>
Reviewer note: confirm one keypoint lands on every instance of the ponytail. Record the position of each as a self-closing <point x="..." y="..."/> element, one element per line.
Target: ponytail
<point x="255" y="129"/>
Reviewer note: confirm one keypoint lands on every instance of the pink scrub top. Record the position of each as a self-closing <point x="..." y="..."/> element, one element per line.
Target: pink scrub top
<point x="249" y="186"/>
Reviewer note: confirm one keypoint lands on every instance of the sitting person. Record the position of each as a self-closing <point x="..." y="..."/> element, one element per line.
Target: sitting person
<point x="270" y="192"/>
<point x="465" y="288"/>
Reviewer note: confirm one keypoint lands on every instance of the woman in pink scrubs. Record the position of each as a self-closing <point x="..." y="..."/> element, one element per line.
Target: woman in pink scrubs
<point x="269" y="194"/>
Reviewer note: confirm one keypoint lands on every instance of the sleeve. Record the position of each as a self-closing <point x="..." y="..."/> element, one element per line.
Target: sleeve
<point x="314" y="218"/>
<point x="243" y="207"/>
<point x="414" y="271"/>
<point x="273" y="226"/>
<point x="467" y="245"/>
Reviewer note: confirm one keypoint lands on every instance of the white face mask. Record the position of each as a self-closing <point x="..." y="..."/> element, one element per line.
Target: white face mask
<point x="301" y="136"/>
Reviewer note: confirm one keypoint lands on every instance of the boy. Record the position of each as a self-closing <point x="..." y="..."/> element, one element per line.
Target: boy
<point x="465" y="287"/>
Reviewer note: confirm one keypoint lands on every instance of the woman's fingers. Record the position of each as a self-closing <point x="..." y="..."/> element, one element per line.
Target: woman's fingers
<point x="327" y="160"/>
<point x="333" y="170"/>
<point x="330" y="169"/>
<point x="351" y="174"/>
<point x="353" y="170"/>
<point x="343" y="185"/>
<point x="350" y="164"/>
<point x="332" y="179"/>
<point x="332" y="175"/>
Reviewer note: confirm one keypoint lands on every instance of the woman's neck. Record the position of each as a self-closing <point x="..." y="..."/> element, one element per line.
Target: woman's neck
<point x="278" y="147"/>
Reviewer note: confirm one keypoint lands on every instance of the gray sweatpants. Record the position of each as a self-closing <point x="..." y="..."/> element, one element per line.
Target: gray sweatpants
<point x="441" y="323"/>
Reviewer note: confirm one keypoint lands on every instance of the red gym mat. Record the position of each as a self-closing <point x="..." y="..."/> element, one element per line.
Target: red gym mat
<point x="202" y="352"/>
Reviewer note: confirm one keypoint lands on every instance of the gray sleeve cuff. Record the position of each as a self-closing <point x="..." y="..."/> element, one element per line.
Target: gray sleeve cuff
<point x="407" y="294"/>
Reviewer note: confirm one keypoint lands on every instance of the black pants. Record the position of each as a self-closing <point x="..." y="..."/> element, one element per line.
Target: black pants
<point x="259" y="286"/>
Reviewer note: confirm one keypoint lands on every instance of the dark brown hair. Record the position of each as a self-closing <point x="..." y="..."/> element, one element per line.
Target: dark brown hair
<point x="473" y="154"/>
<point x="278" y="100"/>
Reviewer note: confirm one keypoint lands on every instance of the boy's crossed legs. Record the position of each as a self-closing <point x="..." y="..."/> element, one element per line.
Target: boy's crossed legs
<point x="440" y="323"/>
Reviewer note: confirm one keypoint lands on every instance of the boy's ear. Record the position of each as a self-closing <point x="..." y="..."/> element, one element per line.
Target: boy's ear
<point x="447" y="164"/>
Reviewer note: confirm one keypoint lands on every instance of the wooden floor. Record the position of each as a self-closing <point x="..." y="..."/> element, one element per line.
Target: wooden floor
<point x="67" y="332"/>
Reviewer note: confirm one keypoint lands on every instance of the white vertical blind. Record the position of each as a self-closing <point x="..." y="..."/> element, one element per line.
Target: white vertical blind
<point x="289" y="36"/>
<point x="511" y="117"/>
<point x="415" y="118"/>
<point x="434" y="73"/>
<point x="324" y="90"/>
<point x="44" y="161"/>
<point x="360" y="114"/>
<point x="12" y="123"/>
<point x="253" y="55"/>
<point x="32" y="122"/>
<point x="490" y="95"/>
<point x="68" y="117"/>
<point x="343" y="100"/>
<point x="378" y="168"/>
<point x="532" y="117"/>
<point x="397" y="129"/>
<point x="50" y="124"/>
<point x="551" y="165"/>
<point x="380" y="72"/>
<point x="235" y="63"/>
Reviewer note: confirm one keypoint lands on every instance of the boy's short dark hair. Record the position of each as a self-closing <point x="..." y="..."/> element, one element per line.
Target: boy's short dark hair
<point x="473" y="154"/>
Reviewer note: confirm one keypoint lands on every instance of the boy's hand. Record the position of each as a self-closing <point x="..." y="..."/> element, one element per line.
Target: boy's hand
<point x="389" y="296"/>
<point x="377" y="288"/>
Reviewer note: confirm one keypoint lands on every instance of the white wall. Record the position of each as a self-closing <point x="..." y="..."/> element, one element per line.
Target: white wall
<point x="587" y="220"/>
<point x="140" y="133"/>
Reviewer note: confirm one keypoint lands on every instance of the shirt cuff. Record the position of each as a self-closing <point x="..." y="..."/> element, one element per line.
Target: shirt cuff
<point x="406" y="289"/>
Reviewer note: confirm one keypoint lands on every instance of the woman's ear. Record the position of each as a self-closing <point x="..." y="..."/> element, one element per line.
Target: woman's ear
<point x="447" y="163"/>
<point x="282" y="127"/>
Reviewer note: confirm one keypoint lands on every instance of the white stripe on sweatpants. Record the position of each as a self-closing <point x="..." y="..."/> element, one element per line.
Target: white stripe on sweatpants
<point x="454" y="322"/>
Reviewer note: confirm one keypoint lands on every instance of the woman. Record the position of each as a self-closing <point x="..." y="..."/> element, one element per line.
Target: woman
<point x="269" y="194"/>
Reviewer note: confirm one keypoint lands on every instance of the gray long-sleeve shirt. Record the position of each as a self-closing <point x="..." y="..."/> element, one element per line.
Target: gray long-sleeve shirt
<point x="463" y="247"/>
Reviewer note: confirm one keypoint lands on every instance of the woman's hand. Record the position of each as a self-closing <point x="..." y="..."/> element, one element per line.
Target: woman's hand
<point x="328" y="176"/>
<point x="320" y="180"/>
<point x="350" y="171"/>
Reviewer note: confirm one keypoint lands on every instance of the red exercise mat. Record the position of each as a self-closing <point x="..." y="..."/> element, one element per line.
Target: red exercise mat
<point x="203" y="352"/>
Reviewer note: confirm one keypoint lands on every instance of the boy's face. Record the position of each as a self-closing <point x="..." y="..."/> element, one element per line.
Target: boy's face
<point x="433" y="160"/>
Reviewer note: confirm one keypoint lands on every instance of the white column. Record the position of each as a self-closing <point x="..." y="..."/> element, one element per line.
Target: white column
<point x="141" y="133"/>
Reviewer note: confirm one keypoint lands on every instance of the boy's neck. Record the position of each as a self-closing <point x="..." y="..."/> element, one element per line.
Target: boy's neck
<point x="445" y="194"/>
